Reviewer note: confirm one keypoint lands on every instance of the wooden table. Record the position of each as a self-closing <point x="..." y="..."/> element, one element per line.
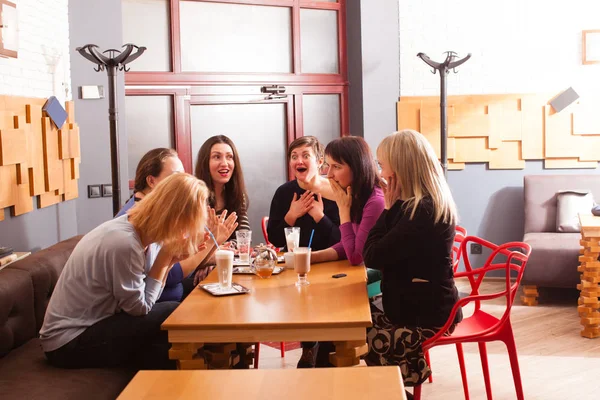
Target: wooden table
<point x="589" y="306"/>
<point x="291" y="384"/>
<point x="276" y="310"/>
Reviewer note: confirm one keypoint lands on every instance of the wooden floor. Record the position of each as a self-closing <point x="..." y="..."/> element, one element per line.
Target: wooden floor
<point x="556" y="362"/>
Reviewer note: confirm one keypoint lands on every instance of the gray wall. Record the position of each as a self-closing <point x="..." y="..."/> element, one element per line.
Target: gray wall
<point x="97" y="22"/>
<point x="39" y="228"/>
<point x="380" y="68"/>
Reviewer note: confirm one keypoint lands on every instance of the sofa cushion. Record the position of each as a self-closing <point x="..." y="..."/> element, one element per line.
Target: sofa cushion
<point x="25" y="373"/>
<point x="17" y="321"/>
<point x="553" y="261"/>
<point x="45" y="267"/>
<point x="540" y="197"/>
<point x="571" y="203"/>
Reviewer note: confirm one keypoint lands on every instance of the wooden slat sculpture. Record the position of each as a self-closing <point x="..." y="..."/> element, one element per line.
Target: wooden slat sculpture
<point x="36" y="159"/>
<point x="506" y="130"/>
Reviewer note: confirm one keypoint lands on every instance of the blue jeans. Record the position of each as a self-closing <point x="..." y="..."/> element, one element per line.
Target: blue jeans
<point x="120" y="340"/>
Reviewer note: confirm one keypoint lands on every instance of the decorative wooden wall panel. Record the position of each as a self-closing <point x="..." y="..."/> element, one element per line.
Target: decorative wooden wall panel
<point x="36" y="159"/>
<point x="506" y="130"/>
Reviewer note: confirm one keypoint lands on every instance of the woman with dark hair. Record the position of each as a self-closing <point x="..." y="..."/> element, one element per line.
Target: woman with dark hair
<point x="355" y="189"/>
<point x="353" y="177"/>
<point x="219" y="166"/>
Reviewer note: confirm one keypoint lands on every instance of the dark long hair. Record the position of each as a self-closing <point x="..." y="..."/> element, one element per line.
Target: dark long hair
<point x="236" y="197"/>
<point x="151" y="164"/>
<point x="355" y="152"/>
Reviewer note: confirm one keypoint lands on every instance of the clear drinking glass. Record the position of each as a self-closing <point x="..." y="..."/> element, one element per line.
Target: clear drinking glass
<point x="244" y="241"/>
<point x="302" y="265"/>
<point x="292" y="237"/>
<point x="224" y="260"/>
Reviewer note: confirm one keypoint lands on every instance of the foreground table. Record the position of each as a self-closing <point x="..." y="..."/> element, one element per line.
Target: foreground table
<point x="276" y="310"/>
<point x="589" y="306"/>
<point x="300" y="384"/>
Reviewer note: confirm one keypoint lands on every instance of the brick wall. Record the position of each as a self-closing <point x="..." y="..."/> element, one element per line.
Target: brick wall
<point x="517" y="46"/>
<point x="43" y="63"/>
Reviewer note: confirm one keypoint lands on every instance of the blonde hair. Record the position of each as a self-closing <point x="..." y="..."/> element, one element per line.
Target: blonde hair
<point x="174" y="213"/>
<point x="418" y="172"/>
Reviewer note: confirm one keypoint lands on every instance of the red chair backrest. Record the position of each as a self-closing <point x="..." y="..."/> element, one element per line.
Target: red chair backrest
<point x="511" y="256"/>
<point x="264" y="222"/>
<point x="459" y="236"/>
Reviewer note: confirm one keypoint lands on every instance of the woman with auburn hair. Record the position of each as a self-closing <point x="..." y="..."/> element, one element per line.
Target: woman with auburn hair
<point x="156" y="165"/>
<point x="411" y="244"/>
<point x="294" y="204"/>
<point x="103" y="311"/>
<point x="219" y="165"/>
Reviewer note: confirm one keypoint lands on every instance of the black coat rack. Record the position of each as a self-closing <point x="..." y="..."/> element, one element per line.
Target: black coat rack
<point x="112" y="60"/>
<point x="444" y="68"/>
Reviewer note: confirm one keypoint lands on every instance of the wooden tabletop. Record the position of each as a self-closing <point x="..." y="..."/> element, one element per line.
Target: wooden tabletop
<point x="291" y="384"/>
<point x="590" y="224"/>
<point x="277" y="303"/>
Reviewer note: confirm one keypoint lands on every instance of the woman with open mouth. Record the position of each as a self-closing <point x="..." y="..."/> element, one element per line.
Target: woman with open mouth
<point x="294" y="205"/>
<point x="219" y="167"/>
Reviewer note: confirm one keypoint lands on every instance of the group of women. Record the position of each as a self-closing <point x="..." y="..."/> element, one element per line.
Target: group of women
<point x="126" y="276"/>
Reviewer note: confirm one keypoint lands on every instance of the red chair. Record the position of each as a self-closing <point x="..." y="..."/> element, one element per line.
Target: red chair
<point x="459" y="236"/>
<point x="264" y="222"/>
<point x="482" y="327"/>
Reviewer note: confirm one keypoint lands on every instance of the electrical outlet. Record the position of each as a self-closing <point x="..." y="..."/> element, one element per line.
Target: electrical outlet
<point x="476" y="248"/>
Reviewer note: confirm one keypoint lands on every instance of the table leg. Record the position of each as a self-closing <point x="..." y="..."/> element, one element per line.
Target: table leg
<point x="347" y="354"/>
<point x="188" y="355"/>
<point x="588" y="304"/>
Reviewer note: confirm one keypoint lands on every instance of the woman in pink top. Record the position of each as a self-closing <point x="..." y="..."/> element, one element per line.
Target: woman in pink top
<point x="355" y="188"/>
<point x="354" y="185"/>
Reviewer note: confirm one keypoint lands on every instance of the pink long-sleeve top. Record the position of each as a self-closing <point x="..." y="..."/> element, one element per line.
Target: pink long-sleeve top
<point x="354" y="235"/>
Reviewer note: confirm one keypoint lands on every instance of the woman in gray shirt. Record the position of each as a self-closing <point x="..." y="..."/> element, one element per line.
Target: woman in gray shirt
<point x="102" y="312"/>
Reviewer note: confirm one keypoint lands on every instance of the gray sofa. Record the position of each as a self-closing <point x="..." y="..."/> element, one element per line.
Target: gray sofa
<point x="25" y="288"/>
<point x="554" y="257"/>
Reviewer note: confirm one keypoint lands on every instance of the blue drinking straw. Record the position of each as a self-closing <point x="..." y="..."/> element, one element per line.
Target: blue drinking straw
<point x="212" y="236"/>
<point x="311" y="236"/>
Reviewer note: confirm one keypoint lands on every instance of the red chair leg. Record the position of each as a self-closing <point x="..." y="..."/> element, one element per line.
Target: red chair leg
<point x="463" y="370"/>
<point x="256" y="354"/>
<point x="417" y="392"/>
<point x="429" y="363"/>
<point x="514" y="364"/>
<point x="486" y="369"/>
<point x="282" y="345"/>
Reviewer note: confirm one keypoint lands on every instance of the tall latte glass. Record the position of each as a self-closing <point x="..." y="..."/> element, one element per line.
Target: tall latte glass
<point x="224" y="260"/>
<point x="302" y="265"/>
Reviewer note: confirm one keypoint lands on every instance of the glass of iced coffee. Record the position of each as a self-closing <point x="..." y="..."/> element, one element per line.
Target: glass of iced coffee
<point x="302" y="265"/>
<point x="224" y="260"/>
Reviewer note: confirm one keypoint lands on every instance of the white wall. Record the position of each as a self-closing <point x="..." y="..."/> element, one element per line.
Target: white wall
<point x="517" y="46"/>
<point x="43" y="62"/>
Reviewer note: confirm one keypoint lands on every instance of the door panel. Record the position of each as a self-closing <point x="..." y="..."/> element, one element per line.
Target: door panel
<point x="150" y="124"/>
<point x="217" y="37"/>
<point x="319" y="41"/>
<point x="259" y="132"/>
<point x="146" y="23"/>
<point x="321" y="116"/>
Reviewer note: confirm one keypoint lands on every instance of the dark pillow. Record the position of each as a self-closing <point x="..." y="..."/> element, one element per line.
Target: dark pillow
<point x="596" y="210"/>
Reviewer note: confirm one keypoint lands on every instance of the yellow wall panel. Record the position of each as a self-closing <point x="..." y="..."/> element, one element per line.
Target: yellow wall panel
<point x="30" y="146"/>
<point x="506" y="130"/>
<point x="471" y="150"/>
